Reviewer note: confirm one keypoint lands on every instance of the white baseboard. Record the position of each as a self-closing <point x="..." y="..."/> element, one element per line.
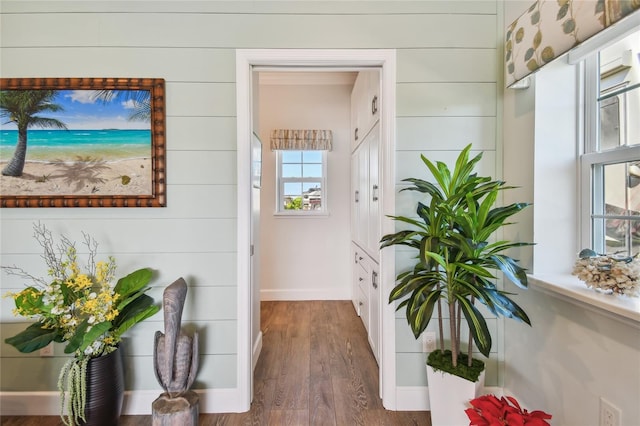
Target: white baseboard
<point x="412" y="398"/>
<point x="409" y="398"/>
<point x="135" y="402"/>
<point x="30" y="403"/>
<point x="305" y="294"/>
<point x="257" y="348"/>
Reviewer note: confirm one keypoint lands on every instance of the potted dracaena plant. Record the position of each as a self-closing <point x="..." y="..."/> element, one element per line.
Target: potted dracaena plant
<point x="457" y="255"/>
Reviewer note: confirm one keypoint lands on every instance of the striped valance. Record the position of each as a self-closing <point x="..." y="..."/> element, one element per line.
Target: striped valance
<point x="550" y="28"/>
<point x="302" y="140"/>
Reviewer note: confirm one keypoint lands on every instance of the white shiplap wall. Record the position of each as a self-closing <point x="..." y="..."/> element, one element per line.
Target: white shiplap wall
<point x="446" y="98"/>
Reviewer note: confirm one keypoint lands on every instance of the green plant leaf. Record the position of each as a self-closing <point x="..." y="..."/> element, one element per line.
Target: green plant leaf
<point x="477" y="325"/>
<point x="511" y="269"/>
<point x="506" y="307"/>
<point x="133" y="282"/>
<point x="92" y="335"/>
<point x="29" y="301"/>
<point x="422" y="312"/>
<point x="149" y="311"/>
<point x="76" y="340"/>
<point x="34" y="337"/>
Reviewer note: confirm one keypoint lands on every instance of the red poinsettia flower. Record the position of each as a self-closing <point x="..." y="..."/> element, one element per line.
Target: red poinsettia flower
<point x="488" y="410"/>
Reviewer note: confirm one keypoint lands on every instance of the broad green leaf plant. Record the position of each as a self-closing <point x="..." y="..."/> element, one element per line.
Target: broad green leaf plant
<point x="81" y="308"/>
<point x="457" y="258"/>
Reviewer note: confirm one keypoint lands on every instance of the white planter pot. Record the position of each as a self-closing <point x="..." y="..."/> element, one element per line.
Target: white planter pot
<point x="449" y="396"/>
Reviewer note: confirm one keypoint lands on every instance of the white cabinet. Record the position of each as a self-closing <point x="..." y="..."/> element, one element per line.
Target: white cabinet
<point x="365" y="167"/>
<point x="365" y="201"/>
<point x="365" y="105"/>
<point x="365" y="196"/>
<point x="366" y="295"/>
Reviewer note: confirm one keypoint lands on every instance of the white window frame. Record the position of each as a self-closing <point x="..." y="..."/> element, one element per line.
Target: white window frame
<point x="560" y="226"/>
<point x="280" y="181"/>
<point x="590" y="157"/>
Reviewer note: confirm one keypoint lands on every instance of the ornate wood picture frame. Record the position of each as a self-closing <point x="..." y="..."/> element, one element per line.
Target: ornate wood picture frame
<point x="82" y="142"/>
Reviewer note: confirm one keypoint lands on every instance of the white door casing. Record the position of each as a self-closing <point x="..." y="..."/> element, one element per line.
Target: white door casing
<point x="316" y="60"/>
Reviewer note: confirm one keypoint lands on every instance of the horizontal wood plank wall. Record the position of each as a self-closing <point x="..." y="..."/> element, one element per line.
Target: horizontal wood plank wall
<point x="446" y="98"/>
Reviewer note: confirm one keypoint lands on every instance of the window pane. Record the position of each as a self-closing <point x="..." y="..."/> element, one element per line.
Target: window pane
<point x="621" y="199"/>
<point x="301" y="178"/>
<point x="291" y="170"/>
<point x="292" y="189"/>
<point x="312" y="170"/>
<point x="311" y="186"/>
<point x="292" y="199"/>
<point x="619" y="93"/>
<point x="623" y="236"/>
<point x="615" y="188"/>
<point x="609" y="123"/>
<point x="291" y="156"/>
<point x="312" y="197"/>
<point x="312" y="156"/>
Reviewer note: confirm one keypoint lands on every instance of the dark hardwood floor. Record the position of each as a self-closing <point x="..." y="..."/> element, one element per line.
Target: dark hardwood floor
<point x="316" y="368"/>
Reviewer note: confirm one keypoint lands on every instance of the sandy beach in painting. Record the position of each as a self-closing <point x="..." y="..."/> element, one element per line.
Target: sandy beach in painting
<point x="100" y="178"/>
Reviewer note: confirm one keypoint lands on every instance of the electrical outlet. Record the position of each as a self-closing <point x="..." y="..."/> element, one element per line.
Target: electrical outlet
<point x="429" y="341"/>
<point x="609" y="414"/>
<point x="47" y="350"/>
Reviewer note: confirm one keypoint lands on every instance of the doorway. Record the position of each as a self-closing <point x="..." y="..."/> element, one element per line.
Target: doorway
<point x="248" y="302"/>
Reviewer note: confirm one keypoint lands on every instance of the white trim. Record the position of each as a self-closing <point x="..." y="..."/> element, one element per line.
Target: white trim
<point x="257" y="349"/>
<point x="244" y="131"/>
<point x="135" y="402"/>
<point x="305" y="294"/>
<point x="569" y="288"/>
<point x="413" y="398"/>
<point x="309" y="59"/>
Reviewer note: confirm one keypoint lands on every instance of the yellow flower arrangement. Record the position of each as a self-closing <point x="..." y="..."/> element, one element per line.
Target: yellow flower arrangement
<point x="82" y="308"/>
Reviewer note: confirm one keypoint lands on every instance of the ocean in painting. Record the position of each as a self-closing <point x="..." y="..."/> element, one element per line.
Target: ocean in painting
<point x="78" y="145"/>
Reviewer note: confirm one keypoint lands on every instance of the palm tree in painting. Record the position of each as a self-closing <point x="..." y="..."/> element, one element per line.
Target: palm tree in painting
<point x="140" y="101"/>
<point x="22" y="108"/>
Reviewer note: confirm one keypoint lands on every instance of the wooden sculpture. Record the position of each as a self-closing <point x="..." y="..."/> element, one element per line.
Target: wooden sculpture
<point x="175" y="361"/>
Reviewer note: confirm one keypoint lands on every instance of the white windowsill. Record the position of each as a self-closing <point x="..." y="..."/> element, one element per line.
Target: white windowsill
<point x="301" y="215"/>
<point x="571" y="289"/>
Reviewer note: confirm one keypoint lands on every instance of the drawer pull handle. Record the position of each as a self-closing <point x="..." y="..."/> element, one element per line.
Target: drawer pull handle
<point x="374" y="105"/>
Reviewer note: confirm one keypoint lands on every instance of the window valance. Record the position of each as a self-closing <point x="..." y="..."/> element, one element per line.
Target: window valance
<point x="550" y="28"/>
<point x="302" y="140"/>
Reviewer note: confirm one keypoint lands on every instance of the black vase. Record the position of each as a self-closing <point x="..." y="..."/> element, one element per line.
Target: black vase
<point x="105" y="390"/>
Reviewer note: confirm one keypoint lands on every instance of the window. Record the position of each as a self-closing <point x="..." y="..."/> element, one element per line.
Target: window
<point x="610" y="164"/>
<point x="301" y="181"/>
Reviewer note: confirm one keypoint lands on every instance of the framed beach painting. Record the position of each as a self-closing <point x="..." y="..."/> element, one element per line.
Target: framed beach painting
<point x="82" y="142"/>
